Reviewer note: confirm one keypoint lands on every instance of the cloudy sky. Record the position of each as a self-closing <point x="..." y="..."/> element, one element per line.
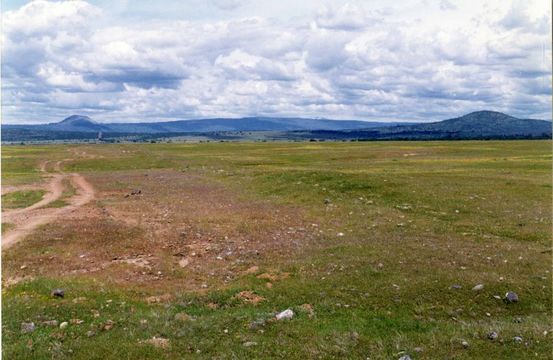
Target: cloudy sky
<point x="377" y="60"/>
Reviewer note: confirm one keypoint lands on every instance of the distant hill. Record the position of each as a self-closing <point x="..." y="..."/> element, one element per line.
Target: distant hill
<point x="476" y="125"/>
<point x="84" y="127"/>
<point x="86" y="124"/>
<point x="479" y="124"/>
<point x="74" y="123"/>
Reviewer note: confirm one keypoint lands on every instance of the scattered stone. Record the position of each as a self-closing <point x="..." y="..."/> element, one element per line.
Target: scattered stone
<point x="90" y="333"/>
<point x="465" y="344"/>
<point x="213" y="306"/>
<point x="455" y="286"/>
<point x="492" y="336"/>
<point x="249" y="343"/>
<point x="108" y="325"/>
<point x="249" y="297"/>
<point x="478" y="287"/>
<point x="517" y="320"/>
<point x="405" y="357"/>
<point x="159" y="299"/>
<point x="10" y="281"/>
<point x="183" y="262"/>
<point x="158" y="342"/>
<point x="257" y="324"/>
<point x="136" y="192"/>
<point x="139" y="261"/>
<point x="511" y="297"/>
<point x="517" y="339"/>
<point x="340" y="234"/>
<point x="27" y="327"/>
<point x="64" y="324"/>
<point x="417" y="349"/>
<point x="182" y="316"/>
<point x="58" y="293"/>
<point x="273" y="277"/>
<point x="53" y="323"/>
<point x="252" y="270"/>
<point x="327" y="201"/>
<point x="286" y="314"/>
<point x="307" y="308"/>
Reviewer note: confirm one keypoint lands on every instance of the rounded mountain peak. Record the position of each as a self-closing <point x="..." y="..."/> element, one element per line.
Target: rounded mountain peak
<point x="77" y="120"/>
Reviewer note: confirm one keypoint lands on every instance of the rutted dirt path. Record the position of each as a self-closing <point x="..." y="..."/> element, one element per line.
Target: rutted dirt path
<point x="54" y="191"/>
<point x="28" y="219"/>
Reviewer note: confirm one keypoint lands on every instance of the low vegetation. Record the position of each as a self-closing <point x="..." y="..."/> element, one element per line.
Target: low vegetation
<point x="68" y="191"/>
<point x="6" y="227"/>
<point x="21" y="199"/>
<point x="190" y="250"/>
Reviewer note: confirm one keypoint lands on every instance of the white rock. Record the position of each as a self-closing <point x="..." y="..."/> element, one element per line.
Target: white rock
<point x="183" y="263"/>
<point x="64" y="324"/>
<point x="27" y="327"/>
<point x="478" y="287"/>
<point x="286" y="314"/>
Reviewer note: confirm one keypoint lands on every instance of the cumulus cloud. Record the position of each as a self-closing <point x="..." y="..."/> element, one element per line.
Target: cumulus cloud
<point x="447" y="5"/>
<point x="228" y="4"/>
<point x="344" y="62"/>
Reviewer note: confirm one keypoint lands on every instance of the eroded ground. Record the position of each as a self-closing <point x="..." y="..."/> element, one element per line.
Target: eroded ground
<point x="168" y="229"/>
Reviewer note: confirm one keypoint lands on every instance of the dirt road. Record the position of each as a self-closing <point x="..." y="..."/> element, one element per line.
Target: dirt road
<point x="26" y="220"/>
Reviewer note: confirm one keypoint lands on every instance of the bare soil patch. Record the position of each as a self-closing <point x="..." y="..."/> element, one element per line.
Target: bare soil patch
<point x="180" y="231"/>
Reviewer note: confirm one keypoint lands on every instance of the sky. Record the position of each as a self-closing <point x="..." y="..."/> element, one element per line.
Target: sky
<point x="410" y="60"/>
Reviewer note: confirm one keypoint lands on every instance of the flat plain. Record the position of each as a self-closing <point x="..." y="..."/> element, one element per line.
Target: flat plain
<point x="189" y="250"/>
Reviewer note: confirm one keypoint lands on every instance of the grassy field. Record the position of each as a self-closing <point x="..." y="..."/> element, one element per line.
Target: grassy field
<point x="21" y="199"/>
<point x="375" y="246"/>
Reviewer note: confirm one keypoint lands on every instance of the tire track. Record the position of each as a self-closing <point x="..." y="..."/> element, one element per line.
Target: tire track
<point x="28" y="219"/>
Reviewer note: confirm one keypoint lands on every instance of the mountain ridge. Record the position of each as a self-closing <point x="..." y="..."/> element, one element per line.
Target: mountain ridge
<point x="86" y="124"/>
<point x="483" y="124"/>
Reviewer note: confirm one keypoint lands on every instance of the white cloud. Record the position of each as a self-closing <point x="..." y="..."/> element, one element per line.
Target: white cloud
<point x="447" y="5"/>
<point x="344" y="61"/>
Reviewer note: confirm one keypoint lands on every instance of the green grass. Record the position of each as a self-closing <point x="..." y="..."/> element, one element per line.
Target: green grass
<point x="6" y="227"/>
<point x="417" y="217"/>
<point x="20" y="164"/>
<point x="21" y="199"/>
<point x="68" y="192"/>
